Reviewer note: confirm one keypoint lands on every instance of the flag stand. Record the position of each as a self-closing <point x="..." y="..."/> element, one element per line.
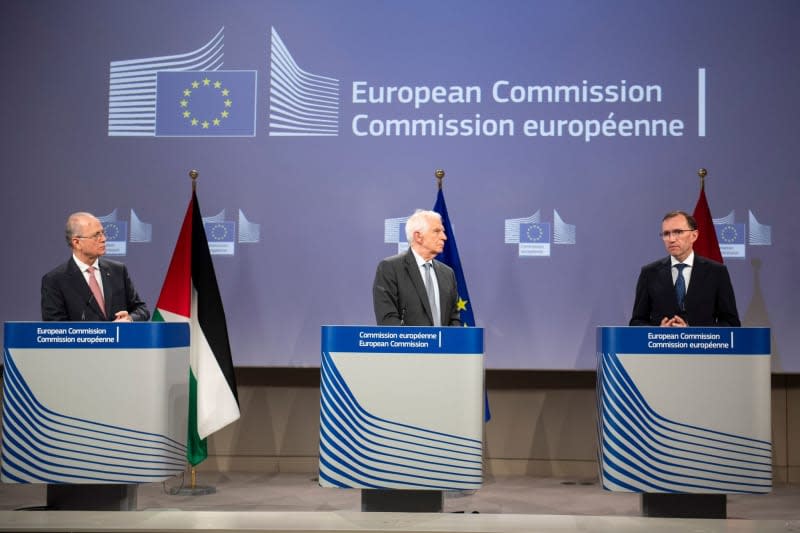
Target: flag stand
<point x="194" y="489"/>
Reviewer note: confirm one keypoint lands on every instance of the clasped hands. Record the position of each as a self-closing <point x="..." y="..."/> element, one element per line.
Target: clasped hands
<point x="674" y="322"/>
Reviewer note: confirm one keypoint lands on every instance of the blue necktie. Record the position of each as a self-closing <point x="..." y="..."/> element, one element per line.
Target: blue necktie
<point x="680" y="286"/>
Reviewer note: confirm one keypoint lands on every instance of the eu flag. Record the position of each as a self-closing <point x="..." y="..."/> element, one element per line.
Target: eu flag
<point x="538" y="232"/>
<point x="449" y="257"/>
<point x="730" y="233"/>
<point x="220" y="236"/>
<point x="219" y="103"/>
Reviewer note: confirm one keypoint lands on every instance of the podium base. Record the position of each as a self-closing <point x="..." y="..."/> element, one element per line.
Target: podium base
<point x="198" y="490"/>
<point x="92" y="497"/>
<point x="401" y="501"/>
<point x="668" y="505"/>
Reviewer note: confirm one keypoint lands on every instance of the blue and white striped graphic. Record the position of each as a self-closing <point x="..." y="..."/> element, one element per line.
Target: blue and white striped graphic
<point x="359" y="449"/>
<point x="40" y="445"/>
<point x="512" y="226"/>
<point x="140" y="231"/>
<point x="300" y="103"/>
<point x="394" y="232"/>
<point x="643" y="451"/>
<point x="249" y="232"/>
<point x="563" y="233"/>
<point x="132" y="86"/>
<point x="760" y="234"/>
<point x="533" y="236"/>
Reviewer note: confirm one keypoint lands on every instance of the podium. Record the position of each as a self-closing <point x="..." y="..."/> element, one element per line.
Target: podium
<point x="94" y="408"/>
<point x="401" y="414"/>
<point x="684" y="416"/>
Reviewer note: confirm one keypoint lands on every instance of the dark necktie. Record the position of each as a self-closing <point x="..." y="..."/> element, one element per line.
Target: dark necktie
<point x="680" y="286"/>
<point x="437" y="320"/>
<point x="96" y="292"/>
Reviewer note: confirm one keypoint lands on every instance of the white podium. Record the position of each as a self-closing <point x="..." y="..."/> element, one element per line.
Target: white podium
<point x="94" y="404"/>
<point x="685" y="411"/>
<point x="401" y="408"/>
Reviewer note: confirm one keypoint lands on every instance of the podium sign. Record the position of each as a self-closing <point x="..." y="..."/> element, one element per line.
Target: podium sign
<point x="401" y="408"/>
<point x="94" y="403"/>
<point x="684" y="410"/>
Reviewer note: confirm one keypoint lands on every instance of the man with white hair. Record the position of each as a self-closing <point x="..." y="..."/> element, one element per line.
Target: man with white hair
<point x="413" y="288"/>
<point x="87" y="287"/>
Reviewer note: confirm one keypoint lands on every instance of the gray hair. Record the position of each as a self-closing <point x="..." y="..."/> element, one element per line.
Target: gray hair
<point x="74" y="223"/>
<point x="419" y="221"/>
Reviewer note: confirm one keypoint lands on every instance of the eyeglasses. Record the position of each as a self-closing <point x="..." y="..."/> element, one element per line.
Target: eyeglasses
<point x="673" y="233"/>
<point x="96" y="237"/>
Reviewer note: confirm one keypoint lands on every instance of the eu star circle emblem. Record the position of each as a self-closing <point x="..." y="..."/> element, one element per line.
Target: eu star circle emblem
<point x="535" y="233"/>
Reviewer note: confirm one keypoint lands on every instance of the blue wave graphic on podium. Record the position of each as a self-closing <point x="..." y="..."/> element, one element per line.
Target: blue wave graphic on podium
<point x="43" y="446"/>
<point x="359" y="449"/>
<point x="643" y="451"/>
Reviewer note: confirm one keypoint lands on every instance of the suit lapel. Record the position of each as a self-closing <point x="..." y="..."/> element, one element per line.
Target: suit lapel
<point x="78" y="281"/>
<point x="665" y="280"/>
<point x="444" y="292"/>
<point x="699" y="273"/>
<point x="105" y="275"/>
<point x="416" y="278"/>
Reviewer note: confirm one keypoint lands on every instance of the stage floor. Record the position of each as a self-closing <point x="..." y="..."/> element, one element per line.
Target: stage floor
<point x="294" y="502"/>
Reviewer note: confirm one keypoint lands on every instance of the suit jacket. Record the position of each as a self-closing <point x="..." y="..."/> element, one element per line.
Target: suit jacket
<point x="399" y="297"/>
<point x="66" y="295"/>
<point x="709" y="299"/>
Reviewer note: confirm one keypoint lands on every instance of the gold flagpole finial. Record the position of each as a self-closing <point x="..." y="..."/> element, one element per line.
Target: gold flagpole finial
<point x="194" y="174"/>
<point x="702" y="173"/>
<point x="439" y="177"/>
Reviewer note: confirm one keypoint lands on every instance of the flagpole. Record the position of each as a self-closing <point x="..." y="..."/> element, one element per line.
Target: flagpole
<point x="194" y="489"/>
<point x="439" y="173"/>
<point x="194" y="174"/>
<point x="702" y="173"/>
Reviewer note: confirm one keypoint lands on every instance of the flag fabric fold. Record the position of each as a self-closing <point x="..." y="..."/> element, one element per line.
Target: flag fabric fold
<point x="449" y="256"/>
<point x="190" y="294"/>
<point x="706" y="244"/>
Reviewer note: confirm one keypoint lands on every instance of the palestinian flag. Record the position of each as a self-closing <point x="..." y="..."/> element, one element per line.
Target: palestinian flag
<point x="190" y="294"/>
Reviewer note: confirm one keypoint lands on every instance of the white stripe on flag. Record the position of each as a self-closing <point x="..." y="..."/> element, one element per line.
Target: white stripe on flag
<point x="216" y="404"/>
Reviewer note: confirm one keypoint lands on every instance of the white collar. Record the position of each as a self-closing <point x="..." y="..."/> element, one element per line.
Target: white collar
<point x="419" y="259"/>
<point x="83" y="267"/>
<point x="688" y="261"/>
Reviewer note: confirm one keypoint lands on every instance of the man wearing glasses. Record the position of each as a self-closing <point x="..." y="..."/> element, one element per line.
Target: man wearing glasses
<point x="87" y="287"/>
<point x="683" y="289"/>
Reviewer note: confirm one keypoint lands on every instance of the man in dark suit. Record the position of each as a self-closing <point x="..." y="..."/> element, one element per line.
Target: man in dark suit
<point x="708" y="298"/>
<point x="399" y="293"/>
<point x="87" y="287"/>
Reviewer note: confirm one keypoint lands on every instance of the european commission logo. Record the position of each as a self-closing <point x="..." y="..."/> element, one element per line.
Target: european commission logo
<point x="534" y="237"/>
<point x="394" y="232"/>
<point x="733" y="236"/>
<point x="222" y="235"/>
<point x="117" y="236"/>
<point x="301" y="103"/>
<point x="181" y="95"/>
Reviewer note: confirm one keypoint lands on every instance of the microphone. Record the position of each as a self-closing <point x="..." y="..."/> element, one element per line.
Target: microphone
<point x="403" y="316"/>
